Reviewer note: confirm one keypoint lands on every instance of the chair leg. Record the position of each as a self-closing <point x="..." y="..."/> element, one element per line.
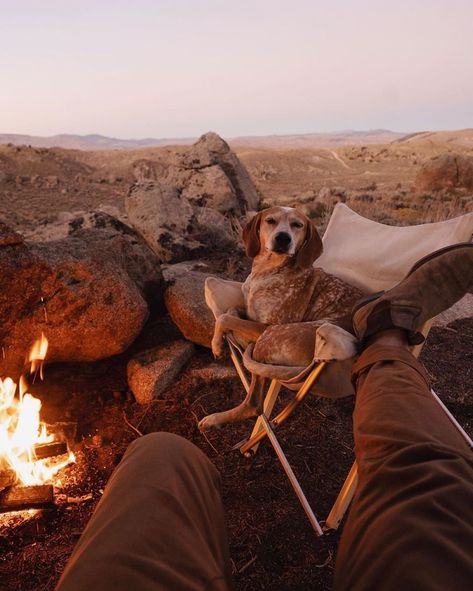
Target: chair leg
<point x="244" y="446"/>
<point x="343" y="500"/>
<point x="456" y="424"/>
<point x="239" y="368"/>
<point x="268" y="405"/>
<point x="291" y="476"/>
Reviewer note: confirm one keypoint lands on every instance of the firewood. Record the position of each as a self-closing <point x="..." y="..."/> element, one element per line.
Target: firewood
<point x="16" y="498"/>
<point x="7" y="477"/>
<point x="47" y="450"/>
<point x="66" y="430"/>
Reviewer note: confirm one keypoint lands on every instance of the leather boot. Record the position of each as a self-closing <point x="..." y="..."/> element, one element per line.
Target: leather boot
<point x="433" y="285"/>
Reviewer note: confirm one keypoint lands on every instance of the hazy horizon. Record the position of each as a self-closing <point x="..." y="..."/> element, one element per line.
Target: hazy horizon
<point x="178" y="69"/>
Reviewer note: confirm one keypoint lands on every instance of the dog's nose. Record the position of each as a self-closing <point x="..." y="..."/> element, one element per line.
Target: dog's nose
<point x="282" y="239"/>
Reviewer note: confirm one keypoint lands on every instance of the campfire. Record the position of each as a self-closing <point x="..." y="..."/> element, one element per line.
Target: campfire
<point x="30" y="457"/>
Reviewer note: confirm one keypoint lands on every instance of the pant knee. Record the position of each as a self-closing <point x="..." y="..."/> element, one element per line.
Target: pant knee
<point x="167" y="447"/>
<point x="159" y="440"/>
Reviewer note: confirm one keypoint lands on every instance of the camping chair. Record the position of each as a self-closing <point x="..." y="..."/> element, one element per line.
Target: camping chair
<point x="372" y="257"/>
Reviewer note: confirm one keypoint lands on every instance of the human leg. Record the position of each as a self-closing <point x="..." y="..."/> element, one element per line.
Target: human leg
<point x="159" y="526"/>
<point x="410" y="524"/>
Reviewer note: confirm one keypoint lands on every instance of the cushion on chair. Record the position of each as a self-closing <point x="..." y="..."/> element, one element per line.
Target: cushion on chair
<point x="222" y="295"/>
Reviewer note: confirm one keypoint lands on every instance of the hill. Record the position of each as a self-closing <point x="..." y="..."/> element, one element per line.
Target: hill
<point x="295" y="141"/>
<point x="40" y="187"/>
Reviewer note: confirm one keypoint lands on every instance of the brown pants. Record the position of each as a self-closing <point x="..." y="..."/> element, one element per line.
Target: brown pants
<point x="160" y="524"/>
<point x="410" y="525"/>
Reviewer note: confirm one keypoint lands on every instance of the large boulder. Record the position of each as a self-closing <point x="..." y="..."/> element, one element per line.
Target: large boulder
<point x="185" y="302"/>
<point x="192" y="201"/>
<point x="165" y="220"/>
<point x="210" y="172"/>
<point x="87" y="293"/>
<point x="446" y="171"/>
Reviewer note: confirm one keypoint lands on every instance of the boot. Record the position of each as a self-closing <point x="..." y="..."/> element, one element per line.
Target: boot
<point x="433" y="285"/>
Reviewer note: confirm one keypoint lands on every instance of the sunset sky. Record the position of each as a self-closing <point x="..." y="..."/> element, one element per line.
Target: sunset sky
<point x="177" y="68"/>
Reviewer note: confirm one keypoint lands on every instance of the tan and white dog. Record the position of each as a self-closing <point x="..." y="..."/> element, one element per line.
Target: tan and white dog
<point x="292" y="311"/>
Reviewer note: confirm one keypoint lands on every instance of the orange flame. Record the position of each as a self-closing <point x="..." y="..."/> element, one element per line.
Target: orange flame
<point x="21" y="428"/>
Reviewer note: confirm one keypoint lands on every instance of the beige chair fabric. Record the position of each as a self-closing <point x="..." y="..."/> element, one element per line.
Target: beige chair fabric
<point x="374" y="256"/>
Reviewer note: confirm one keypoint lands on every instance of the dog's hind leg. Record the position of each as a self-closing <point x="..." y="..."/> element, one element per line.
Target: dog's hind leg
<point x="251" y="406"/>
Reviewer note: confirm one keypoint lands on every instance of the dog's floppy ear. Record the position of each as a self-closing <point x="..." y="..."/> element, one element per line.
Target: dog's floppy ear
<point x="251" y="236"/>
<point x="311" y="248"/>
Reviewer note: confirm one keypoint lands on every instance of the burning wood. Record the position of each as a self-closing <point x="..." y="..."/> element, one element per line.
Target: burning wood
<point x="16" y="498"/>
<point x="48" y="450"/>
<point x="29" y="455"/>
<point x="7" y="478"/>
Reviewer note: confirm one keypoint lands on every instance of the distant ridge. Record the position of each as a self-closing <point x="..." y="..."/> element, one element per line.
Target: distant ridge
<point x="302" y="141"/>
<point x="88" y="142"/>
<point x="290" y="141"/>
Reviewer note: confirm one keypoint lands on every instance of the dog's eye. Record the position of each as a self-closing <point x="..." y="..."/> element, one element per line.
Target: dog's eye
<point x="271" y="221"/>
<point x="296" y="224"/>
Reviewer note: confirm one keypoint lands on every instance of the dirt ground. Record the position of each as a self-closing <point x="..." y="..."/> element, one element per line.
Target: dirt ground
<point x="272" y="545"/>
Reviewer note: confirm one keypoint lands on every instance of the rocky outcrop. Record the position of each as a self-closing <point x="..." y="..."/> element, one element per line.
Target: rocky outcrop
<point x="152" y="372"/>
<point x="210" y="173"/>
<point x="447" y="171"/>
<point x="192" y="201"/>
<point x="88" y="293"/>
<point x="165" y="220"/>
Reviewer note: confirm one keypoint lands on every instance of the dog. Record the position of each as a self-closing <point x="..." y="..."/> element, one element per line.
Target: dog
<point x="290" y="310"/>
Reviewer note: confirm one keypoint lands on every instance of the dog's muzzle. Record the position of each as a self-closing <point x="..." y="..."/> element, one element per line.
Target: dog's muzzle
<point x="281" y="242"/>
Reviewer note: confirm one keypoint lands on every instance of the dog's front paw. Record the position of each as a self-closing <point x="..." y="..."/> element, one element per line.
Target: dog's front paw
<point x="218" y="347"/>
<point x="209" y="422"/>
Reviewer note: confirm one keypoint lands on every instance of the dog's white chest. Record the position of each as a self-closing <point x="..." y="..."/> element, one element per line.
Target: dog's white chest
<point x="274" y="299"/>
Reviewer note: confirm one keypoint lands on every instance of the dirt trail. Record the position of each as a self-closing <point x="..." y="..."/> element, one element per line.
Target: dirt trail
<point x="339" y="159"/>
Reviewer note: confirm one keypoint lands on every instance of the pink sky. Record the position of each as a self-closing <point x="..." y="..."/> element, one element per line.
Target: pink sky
<point x="178" y="68"/>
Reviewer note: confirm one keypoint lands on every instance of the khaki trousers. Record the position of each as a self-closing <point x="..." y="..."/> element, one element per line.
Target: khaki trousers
<point x="410" y="525"/>
<point x="159" y="526"/>
<point x="160" y="523"/>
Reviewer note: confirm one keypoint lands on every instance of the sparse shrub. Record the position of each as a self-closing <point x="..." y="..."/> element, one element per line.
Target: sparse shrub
<point x="446" y="197"/>
<point x="316" y="210"/>
<point x="263" y="205"/>
<point x="425" y="197"/>
<point x="364" y="197"/>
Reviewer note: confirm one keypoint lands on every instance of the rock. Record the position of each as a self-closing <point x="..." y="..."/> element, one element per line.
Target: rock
<point x="446" y="171"/>
<point x="191" y="200"/>
<point x="68" y="222"/>
<point x="152" y="372"/>
<point x="9" y="237"/>
<point x="164" y="219"/>
<point x="212" y="153"/>
<point x="87" y="293"/>
<point x="185" y="302"/>
<point x="213" y="371"/>
<point x="210" y="187"/>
